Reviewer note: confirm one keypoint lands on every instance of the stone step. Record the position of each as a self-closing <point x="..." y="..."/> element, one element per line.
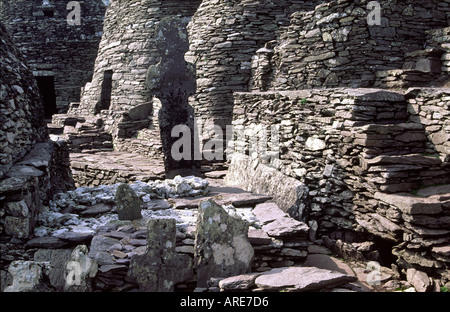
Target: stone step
<point x="67" y="120"/>
<point x="417" y="160"/>
<point x="431" y="204"/>
<point x="55" y="129"/>
<point x="426" y="61"/>
<point x="401" y="138"/>
<point x="405" y="78"/>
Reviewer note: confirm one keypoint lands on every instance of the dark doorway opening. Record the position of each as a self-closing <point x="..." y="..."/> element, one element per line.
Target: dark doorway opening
<point x="49" y="12"/>
<point x="384" y="247"/>
<point x="105" y="96"/>
<point x="46" y="86"/>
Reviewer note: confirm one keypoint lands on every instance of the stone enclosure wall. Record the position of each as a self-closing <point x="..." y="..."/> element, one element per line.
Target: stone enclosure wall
<point x="33" y="168"/>
<point x="22" y="120"/>
<point x="53" y="48"/>
<point x="345" y="150"/>
<point x="333" y="45"/>
<point x="224" y="35"/>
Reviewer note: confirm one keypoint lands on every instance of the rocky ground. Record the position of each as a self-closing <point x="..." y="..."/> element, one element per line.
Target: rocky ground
<point x="284" y="258"/>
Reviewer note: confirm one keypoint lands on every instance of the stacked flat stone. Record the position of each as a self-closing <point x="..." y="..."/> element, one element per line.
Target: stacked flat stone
<point x="224" y="36"/>
<point x="333" y="45"/>
<point x="346" y="145"/>
<point x="53" y="47"/>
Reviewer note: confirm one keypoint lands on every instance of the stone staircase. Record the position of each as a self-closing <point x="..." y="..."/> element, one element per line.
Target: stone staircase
<point x="84" y="133"/>
<point x="396" y="158"/>
<point x="422" y="68"/>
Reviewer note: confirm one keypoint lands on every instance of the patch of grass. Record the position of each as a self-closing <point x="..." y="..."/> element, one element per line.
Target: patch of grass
<point x="444" y="289"/>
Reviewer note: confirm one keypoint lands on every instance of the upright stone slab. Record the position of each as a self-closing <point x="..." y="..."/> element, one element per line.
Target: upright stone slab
<point x="222" y="248"/>
<point x="160" y="268"/>
<point x="128" y="203"/>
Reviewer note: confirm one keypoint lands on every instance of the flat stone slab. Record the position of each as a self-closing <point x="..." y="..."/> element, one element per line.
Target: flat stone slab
<point x="49" y="242"/>
<point x="410" y="204"/>
<point x="239" y="282"/>
<point x="268" y="212"/>
<point x="301" y="279"/>
<point x="285" y="227"/>
<point x="129" y="165"/>
<point x="222" y="195"/>
<point x="276" y="222"/>
<point x="326" y="262"/>
<point x="96" y="210"/>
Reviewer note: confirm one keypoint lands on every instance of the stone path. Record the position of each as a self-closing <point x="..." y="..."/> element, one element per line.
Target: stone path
<point x="107" y="168"/>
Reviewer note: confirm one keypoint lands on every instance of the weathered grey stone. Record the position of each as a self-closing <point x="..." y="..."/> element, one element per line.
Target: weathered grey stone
<point x="290" y="194"/>
<point x="315" y="144"/>
<point x="301" y="279"/>
<point x="160" y="268"/>
<point x="101" y="248"/>
<point x="17" y="209"/>
<point x="418" y="279"/>
<point x="96" y="210"/>
<point x="17" y="227"/>
<point x="239" y="282"/>
<point x="411" y="204"/>
<point x="50" y="242"/>
<point x="128" y="203"/>
<point x="268" y="212"/>
<point x="57" y="259"/>
<point x="286" y="227"/>
<point x="222" y="248"/>
<point x="28" y="276"/>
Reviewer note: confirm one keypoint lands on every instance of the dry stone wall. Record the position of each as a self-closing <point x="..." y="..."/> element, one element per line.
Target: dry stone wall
<point x="350" y="148"/>
<point x="430" y="107"/>
<point x="52" y="47"/>
<point x="22" y="118"/>
<point x="33" y="167"/>
<point x="333" y="45"/>
<point x="224" y="35"/>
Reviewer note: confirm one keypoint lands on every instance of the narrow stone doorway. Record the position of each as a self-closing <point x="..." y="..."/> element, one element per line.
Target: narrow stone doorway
<point x="105" y="96"/>
<point x="46" y="86"/>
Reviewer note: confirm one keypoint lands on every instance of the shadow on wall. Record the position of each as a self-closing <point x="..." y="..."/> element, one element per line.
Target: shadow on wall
<point x="172" y="81"/>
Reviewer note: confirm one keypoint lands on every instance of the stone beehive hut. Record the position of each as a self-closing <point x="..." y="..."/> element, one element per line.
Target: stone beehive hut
<point x="361" y="156"/>
<point x="32" y="168"/>
<point x="60" y="55"/>
<point x="22" y="116"/>
<point x="118" y="92"/>
<point x="126" y="51"/>
<point x="358" y="155"/>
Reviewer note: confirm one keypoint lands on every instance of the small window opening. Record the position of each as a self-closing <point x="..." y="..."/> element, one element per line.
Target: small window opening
<point x="105" y="97"/>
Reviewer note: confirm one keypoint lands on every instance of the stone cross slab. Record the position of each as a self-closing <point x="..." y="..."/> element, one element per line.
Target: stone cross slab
<point x="128" y="203"/>
<point x="222" y="248"/>
<point x="161" y="267"/>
